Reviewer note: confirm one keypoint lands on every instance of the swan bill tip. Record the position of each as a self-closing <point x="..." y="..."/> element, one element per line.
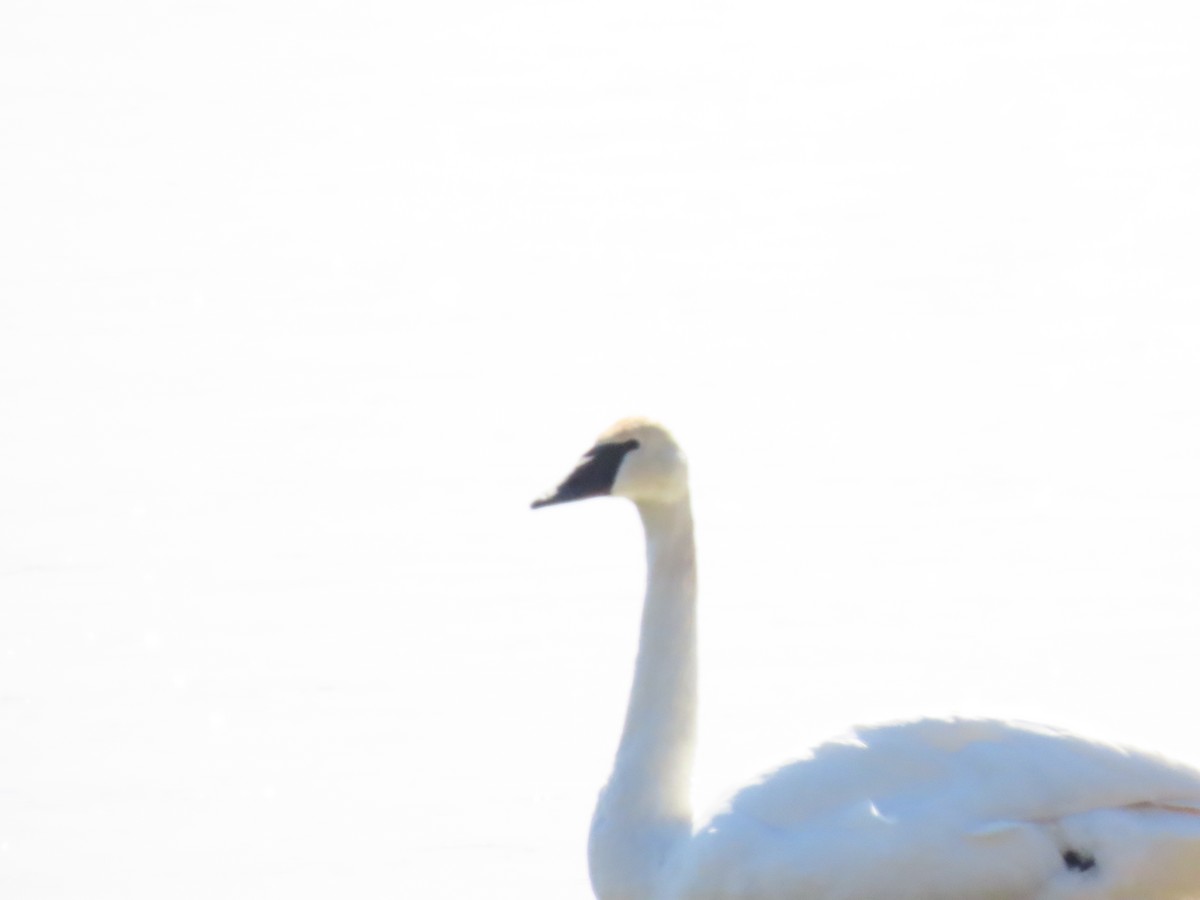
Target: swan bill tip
<point x="554" y="498"/>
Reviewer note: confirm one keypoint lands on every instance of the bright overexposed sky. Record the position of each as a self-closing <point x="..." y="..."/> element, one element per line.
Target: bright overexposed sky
<point x="302" y="303"/>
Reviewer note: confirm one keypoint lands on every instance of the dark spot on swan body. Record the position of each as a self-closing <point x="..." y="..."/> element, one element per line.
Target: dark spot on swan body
<point x="1079" y="862"/>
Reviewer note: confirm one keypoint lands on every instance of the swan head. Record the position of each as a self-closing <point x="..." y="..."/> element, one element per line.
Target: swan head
<point x="636" y="459"/>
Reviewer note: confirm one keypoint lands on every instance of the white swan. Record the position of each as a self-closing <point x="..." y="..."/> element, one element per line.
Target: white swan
<point x="950" y="809"/>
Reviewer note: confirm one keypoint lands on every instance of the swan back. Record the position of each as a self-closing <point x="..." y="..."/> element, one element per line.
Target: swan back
<point x="956" y="809"/>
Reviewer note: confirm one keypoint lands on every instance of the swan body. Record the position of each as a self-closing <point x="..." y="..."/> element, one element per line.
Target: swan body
<point x="936" y="809"/>
<point x="954" y="809"/>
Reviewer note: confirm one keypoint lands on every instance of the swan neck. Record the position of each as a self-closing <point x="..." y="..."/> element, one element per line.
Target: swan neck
<point x="645" y="810"/>
<point x="660" y="725"/>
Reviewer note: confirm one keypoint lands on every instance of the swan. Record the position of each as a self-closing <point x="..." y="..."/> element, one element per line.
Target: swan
<point x="933" y="809"/>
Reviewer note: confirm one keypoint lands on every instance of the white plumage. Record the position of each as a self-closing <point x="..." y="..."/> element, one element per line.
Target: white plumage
<point x="959" y="809"/>
<point x="955" y="809"/>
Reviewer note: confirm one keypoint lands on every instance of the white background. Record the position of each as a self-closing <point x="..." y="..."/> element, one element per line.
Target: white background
<point x="301" y="303"/>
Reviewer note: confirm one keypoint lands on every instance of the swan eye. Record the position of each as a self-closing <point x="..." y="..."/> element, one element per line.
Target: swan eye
<point x="613" y="447"/>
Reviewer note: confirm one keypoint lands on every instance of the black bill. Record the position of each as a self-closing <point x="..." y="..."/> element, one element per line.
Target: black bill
<point x="593" y="477"/>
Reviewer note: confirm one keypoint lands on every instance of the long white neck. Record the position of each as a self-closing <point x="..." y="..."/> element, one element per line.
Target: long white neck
<point x="645" y="811"/>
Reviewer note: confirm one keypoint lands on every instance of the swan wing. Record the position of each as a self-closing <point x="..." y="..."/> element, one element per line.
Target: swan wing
<point x="958" y="808"/>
